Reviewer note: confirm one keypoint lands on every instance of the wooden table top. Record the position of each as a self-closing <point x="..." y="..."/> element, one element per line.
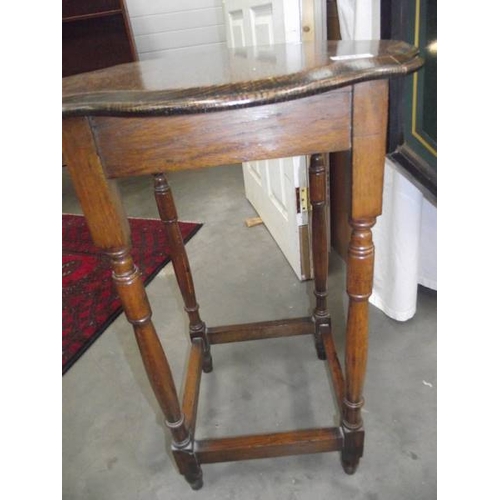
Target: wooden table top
<point x="215" y="79"/>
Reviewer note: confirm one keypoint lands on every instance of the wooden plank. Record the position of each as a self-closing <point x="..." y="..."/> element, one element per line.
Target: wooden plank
<point x="253" y="221"/>
<point x="91" y="15"/>
<point x="368" y="148"/>
<point x="268" y="445"/>
<point x="192" y="384"/>
<point x="261" y="330"/>
<point x="340" y="199"/>
<point x="99" y="198"/>
<point x="76" y="8"/>
<point x="137" y="146"/>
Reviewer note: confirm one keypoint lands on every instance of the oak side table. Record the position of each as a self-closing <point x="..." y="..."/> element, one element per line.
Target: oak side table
<point x="219" y="107"/>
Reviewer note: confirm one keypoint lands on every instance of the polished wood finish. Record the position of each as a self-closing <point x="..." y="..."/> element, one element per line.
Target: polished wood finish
<point x="192" y="384"/>
<point x="218" y="79"/>
<point x="278" y="444"/>
<point x="368" y="150"/>
<point x="106" y="217"/>
<point x="340" y="188"/>
<point x="334" y="367"/>
<point x="368" y="138"/>
<point x="262" y="330"/>
<point x="188" y="464"/>
<point x="317" y="186"/>
<point x="155" y="144"/>
<point x="116" y="126"/>
<point x="168" y="215"/>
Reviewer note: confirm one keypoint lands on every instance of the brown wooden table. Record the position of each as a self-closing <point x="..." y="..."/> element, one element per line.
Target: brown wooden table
<point x="221" y="107"/>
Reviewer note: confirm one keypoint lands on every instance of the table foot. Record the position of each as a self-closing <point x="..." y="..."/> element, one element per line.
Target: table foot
<point x="207" y="366"/>
<point x="195" y="481"/>
<point x="352" y="448"/>
<point x="350" y="466"/>
<point x="320" y="350"/>
<point x="188" y="464"/>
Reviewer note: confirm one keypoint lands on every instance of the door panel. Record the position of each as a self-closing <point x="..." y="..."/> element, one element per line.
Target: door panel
<point x="236" y="30"/>
<point x="271" y="185"/>
<point x="273" y="194"/>
<point x="261" y="22"/>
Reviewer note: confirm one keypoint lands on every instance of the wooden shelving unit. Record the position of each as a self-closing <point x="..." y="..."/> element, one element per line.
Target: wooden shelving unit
<point x="95" y="34"/>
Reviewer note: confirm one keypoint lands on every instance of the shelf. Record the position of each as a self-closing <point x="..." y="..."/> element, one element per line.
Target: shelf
<point x="92" y="15"/>
<point x="95" y="35"/>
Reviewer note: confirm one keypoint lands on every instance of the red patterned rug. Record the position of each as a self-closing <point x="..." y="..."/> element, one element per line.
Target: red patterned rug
<point x="90" y="302"/>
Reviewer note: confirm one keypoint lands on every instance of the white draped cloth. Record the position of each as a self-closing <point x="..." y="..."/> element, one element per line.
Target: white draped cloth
<point x="405" y="233"/>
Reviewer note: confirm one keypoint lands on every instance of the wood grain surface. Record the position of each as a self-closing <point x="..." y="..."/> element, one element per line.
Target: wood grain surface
<point x="138" y="145"/>
<point x="215" y="79"/>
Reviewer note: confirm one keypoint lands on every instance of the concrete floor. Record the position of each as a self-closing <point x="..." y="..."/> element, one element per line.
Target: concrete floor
<point x="115" y="445"/>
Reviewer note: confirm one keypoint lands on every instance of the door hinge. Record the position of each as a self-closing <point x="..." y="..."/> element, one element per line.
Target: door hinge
<point x="302" y="195"/>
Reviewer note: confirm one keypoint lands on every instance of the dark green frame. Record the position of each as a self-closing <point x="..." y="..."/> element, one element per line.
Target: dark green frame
<point x="412" y="139"/>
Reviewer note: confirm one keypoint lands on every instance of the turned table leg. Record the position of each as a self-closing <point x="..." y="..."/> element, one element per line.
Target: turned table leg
<point x="369" y="122"/>
<point x="130" y="287"/>
<point x="317" y="186"/>
<point x="367" y="171"/>
<point x="359" y="285"/>
<point x="108" y="225"/>
<point x="168" y="214"/>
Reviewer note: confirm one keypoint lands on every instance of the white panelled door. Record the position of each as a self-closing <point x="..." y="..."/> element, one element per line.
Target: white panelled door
<point x="271" y="186"/>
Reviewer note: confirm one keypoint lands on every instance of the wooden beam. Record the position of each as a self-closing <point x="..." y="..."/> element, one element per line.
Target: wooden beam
<point x="192" y="384"/>
<point x="262" y="330"/>
<point x="334" y="368"/>
<point x="278" y="444"/>
<point x="253" y="221"/>
<point x="162" y="144"/>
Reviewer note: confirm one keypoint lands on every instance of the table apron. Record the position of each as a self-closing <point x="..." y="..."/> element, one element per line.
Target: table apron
<point x="143" y="145"/>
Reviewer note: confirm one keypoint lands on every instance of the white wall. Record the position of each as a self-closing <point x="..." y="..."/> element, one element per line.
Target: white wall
<point x="160" y="26"/>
